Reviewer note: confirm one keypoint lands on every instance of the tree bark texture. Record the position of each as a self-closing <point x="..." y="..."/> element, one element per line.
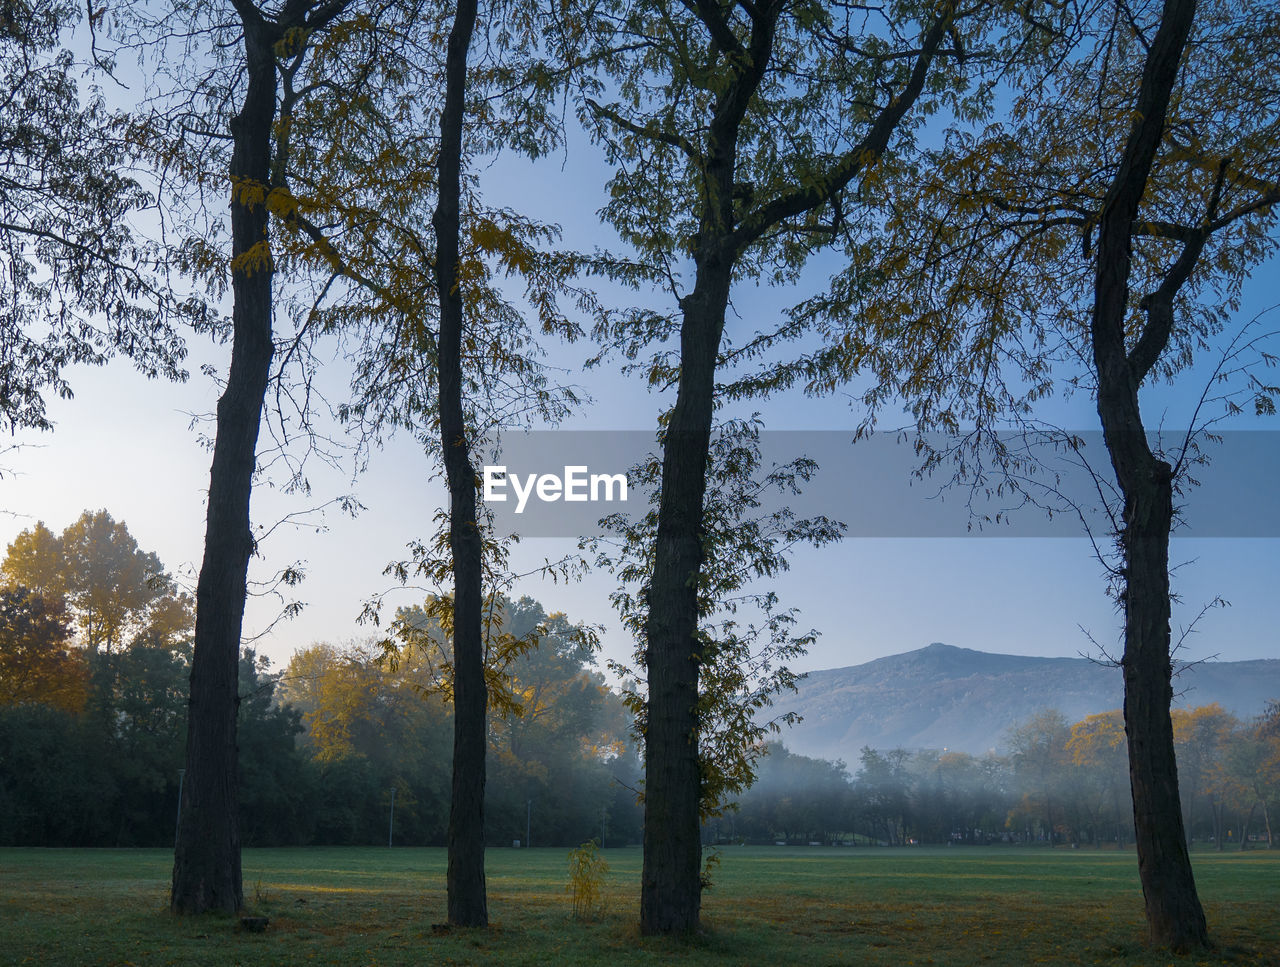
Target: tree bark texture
<point x="1175" y="918"/>
<point x="468" y="904"/>
<point x="206" y="868"/>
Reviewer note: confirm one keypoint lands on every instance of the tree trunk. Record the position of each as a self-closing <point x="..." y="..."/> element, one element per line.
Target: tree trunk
<point x="1190" y="813"/>
<point x="1175" y="918"/>
<point x="1244" y="829"/>
<point x="1174" y="915"/>
<point x="468" y="904"/>
<point x="671" y="887"/>
<point x="206" y="867"/>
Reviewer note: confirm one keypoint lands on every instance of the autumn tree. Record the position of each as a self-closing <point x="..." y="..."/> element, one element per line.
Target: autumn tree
<point x="508" y="631"/>
<point x="112" y="585"/>
<point x="1251" y="764"/>
<point x="113" y="589"/>
<point x="336" y="689"/>
<point x="1202" y="736"/>
<point x="34" y="559"/>
<point x="368" y="727"/>
<point x="376" y="718"/>
<point x="744" y="136"/>
<point x="1098" y="751"/>
<point x="37" y="662"/>
<point x="81" y="283"/>
<point x="1265" y="760"/>
<point x="557" y="733"/>
<point x="554" y="696"/>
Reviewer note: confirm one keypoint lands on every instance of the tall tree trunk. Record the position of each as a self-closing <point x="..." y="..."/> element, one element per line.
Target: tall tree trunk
<point x="1175" y="918"/>
<point x="1174" y="915"/>
<point x="1244" y="829"/>
<point x="468" y="905"/>
<point x="206" y="867"/>
<point x="671" y="886"/>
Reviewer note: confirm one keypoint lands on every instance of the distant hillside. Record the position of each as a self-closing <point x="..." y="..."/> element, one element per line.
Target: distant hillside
<point x="946" y="697"/>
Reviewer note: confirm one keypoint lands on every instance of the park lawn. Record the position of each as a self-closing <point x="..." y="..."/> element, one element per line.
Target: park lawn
<point x="893" y="907"/>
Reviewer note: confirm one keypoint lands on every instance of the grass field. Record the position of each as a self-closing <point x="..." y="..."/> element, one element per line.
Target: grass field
<point x="892" y="907"/>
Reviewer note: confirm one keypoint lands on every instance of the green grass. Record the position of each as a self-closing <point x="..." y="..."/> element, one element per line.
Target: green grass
<point x="953" y="907"/>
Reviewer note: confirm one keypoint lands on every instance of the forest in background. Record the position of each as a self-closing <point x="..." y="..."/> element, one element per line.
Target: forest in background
<point x="95" y="655"/>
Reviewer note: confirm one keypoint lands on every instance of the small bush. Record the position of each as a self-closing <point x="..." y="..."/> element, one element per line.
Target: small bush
<point x="586" y="875"/>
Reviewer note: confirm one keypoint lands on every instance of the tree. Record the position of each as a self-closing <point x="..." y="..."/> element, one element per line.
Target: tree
<point x="1265" y="761"/>
<point x="1097" y="748"/>
<point x="34" y="560"/>
<point x="800" y="797"/>
<point x="136" y="712"/>
<point x="206" y="871"/>
<point x="1097" y="240"/>
<point x="113" y="589"/>
<point x="109" y="582"/>
<point x="1174" y="914"/>
<point x="742" y="134"/>
<point x="558" y="732"/>
<point x="80" y="283"/>
<point x="1203" y="741"/>
<point x="377" y="715"/>
<point x="273" y="779"/>
<point x="369" y="727"/>
<point x="883" y="787"/>
<point x="1038" y="748"/>
<point x="746" y="639"/>
<point x="374" y="204"/>
<point x="36" y="663"/>
<point x="507" y="632"/>
<point x="56" y="785"/>
<point x="468" y="903"/>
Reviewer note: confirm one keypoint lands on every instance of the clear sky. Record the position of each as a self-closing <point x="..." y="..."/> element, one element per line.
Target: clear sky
<point x="126" y="444"/>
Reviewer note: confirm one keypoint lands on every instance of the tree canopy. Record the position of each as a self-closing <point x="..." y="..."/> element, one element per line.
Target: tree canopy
<point x="112" y="589"/>
<point x="81" y="281"/>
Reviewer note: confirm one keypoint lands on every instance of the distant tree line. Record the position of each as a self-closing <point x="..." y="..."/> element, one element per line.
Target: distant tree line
<point x="95" y="659"/>
<point x="322" y="747"/>
<point x="1058" y="783"/>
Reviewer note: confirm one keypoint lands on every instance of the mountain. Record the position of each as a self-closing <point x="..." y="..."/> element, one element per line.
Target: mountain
<point x="946" y="697"/>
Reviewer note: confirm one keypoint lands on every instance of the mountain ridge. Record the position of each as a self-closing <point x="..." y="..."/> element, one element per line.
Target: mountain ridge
<point x="942" y="696"/>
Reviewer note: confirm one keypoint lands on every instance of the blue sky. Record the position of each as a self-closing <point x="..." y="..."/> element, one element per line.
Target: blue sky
<point x="126" y="444"/>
